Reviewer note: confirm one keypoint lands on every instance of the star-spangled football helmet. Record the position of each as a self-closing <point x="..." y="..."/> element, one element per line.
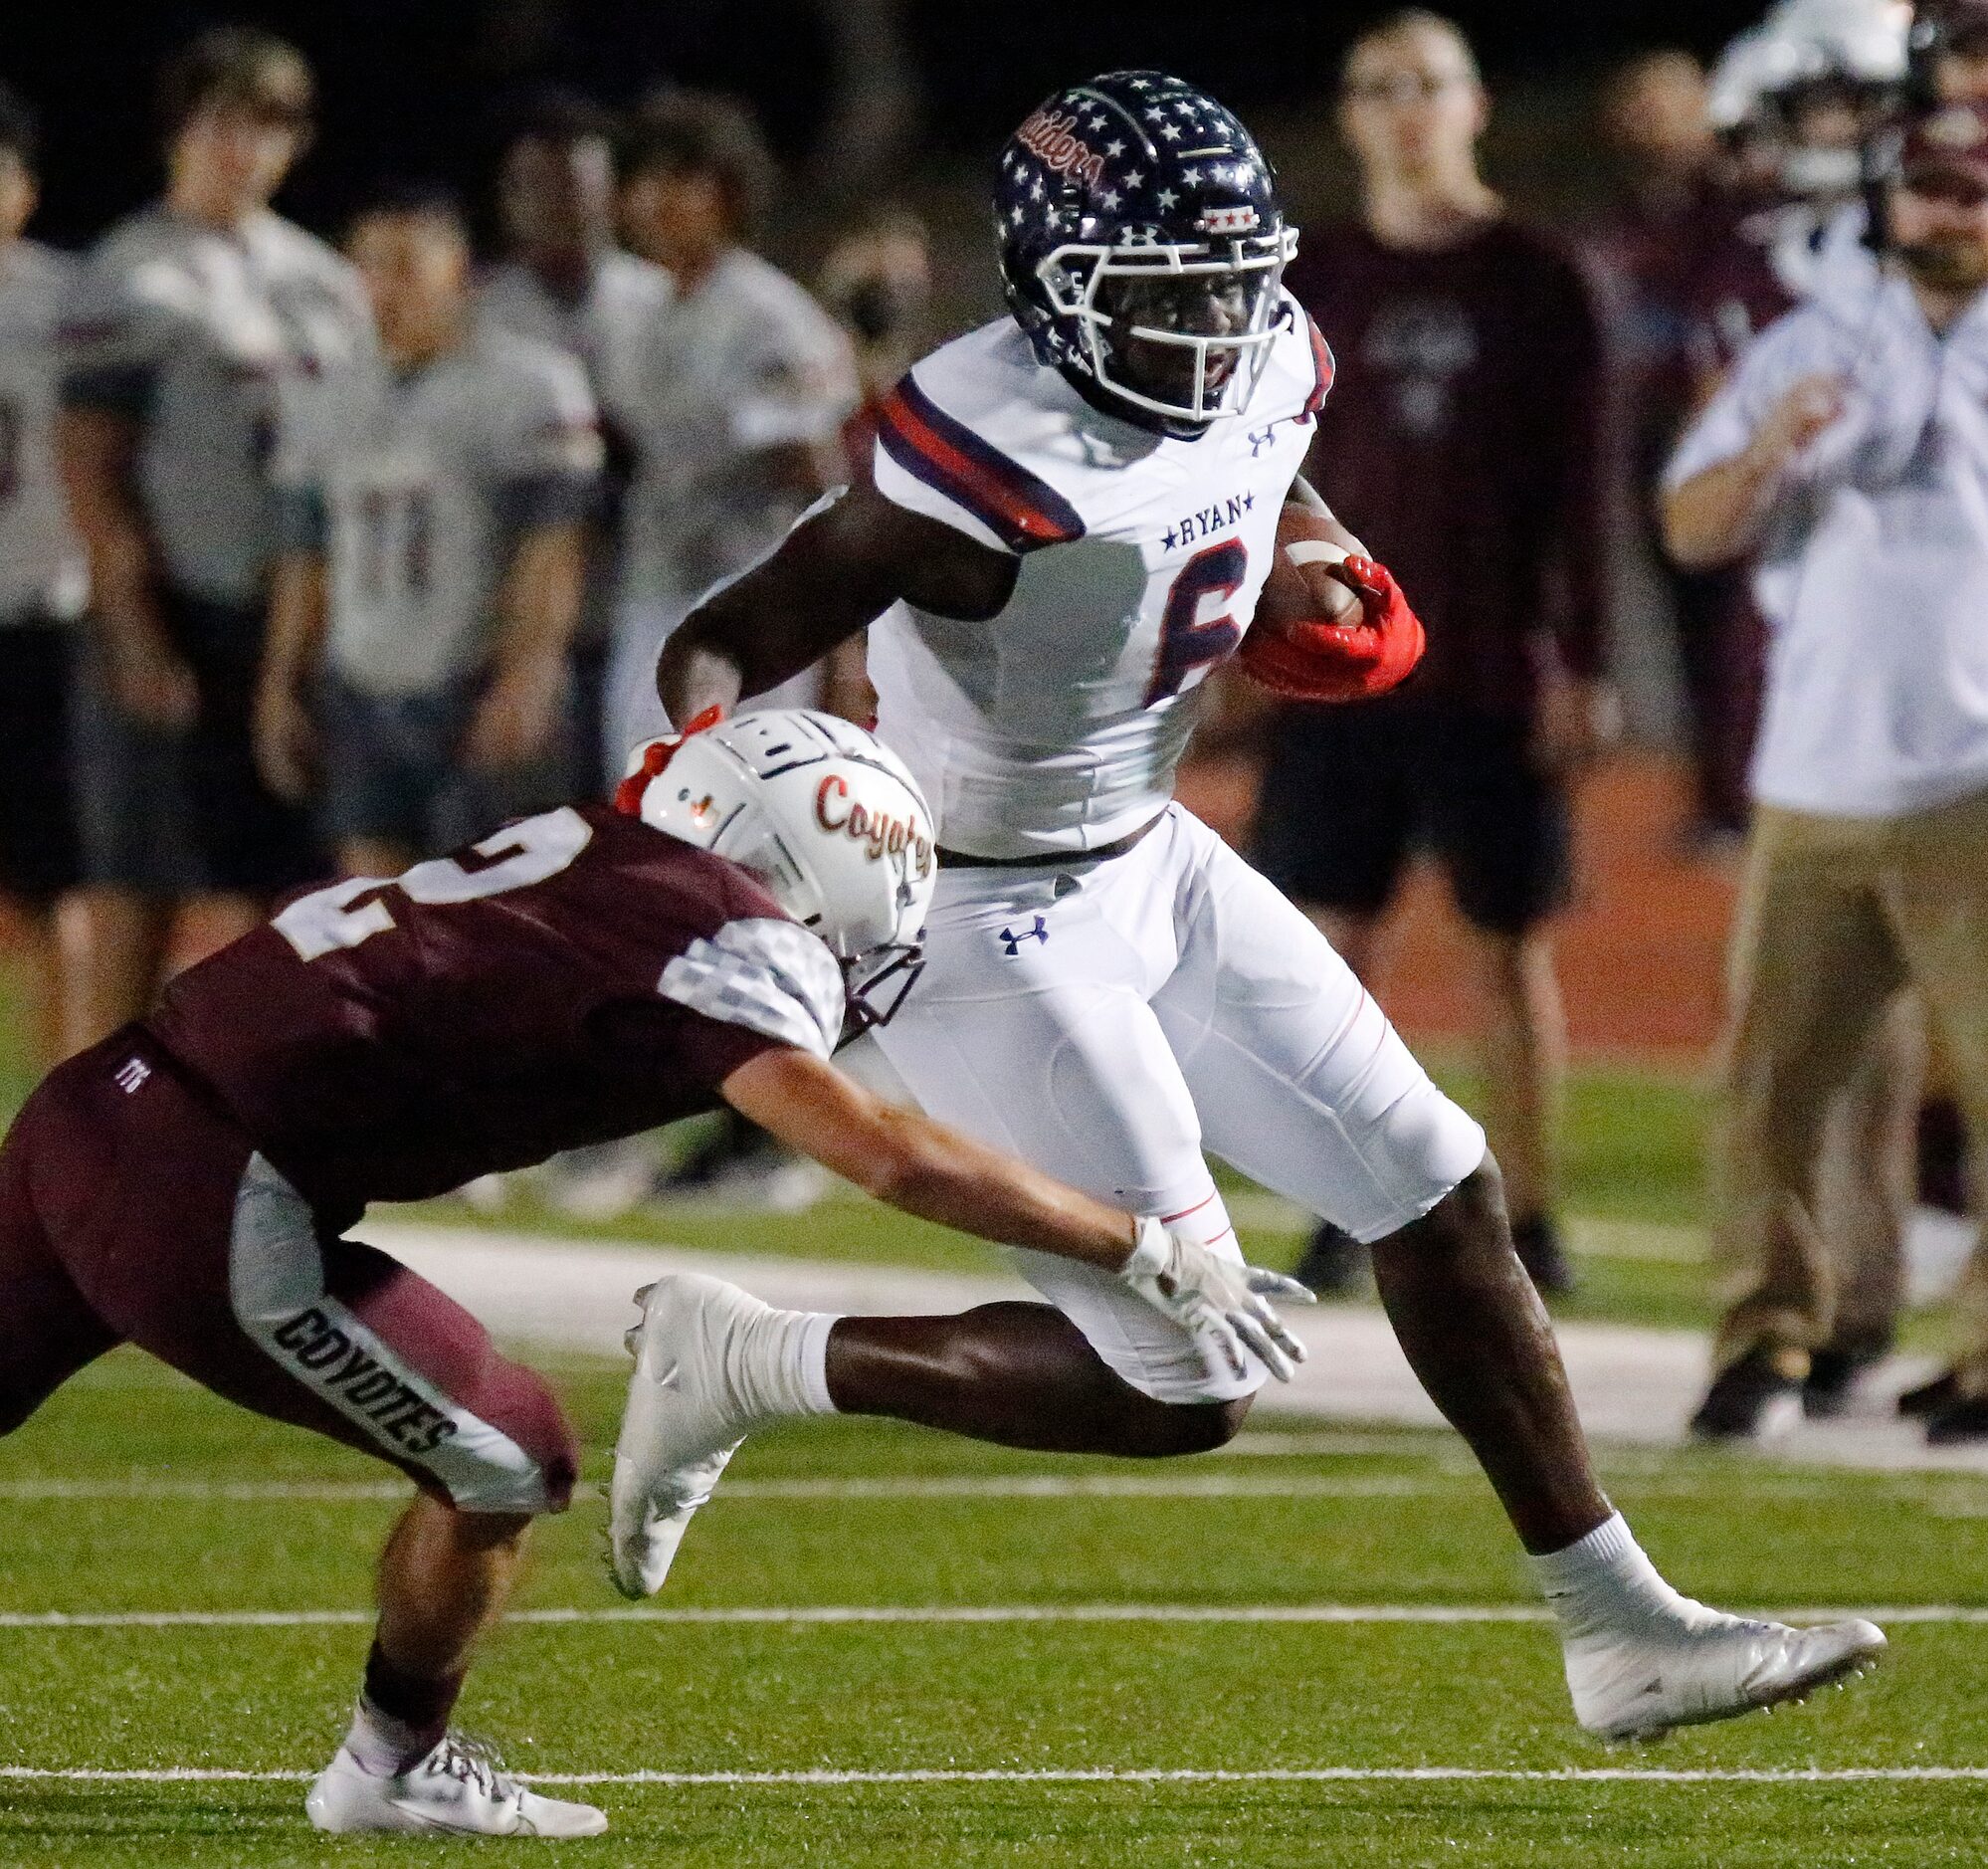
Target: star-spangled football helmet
<point x="1141" y="243"/>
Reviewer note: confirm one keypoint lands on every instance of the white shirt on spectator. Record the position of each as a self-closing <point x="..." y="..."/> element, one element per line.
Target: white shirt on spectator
<point x="747" y="363"/>
<point x="415" y="489"/>
<point x="188" y="331"/>
<point x="1873" y="573"/>
<point x="604" y="329"/>
<point x="42" y="573"/>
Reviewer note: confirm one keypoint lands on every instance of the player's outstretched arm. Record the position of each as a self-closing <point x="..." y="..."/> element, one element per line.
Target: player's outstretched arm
<point x="835" y="572"/>
<point x="927" y="1170"/>
<point x="1478" y="1338"/>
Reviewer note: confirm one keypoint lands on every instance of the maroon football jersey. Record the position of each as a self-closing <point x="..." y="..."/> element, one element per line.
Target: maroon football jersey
<point x="576" y="977"/>
<point x="1465" y="442"/>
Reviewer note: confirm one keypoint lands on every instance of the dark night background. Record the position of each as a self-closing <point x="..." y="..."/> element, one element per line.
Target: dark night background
<point x="415" y="86"/>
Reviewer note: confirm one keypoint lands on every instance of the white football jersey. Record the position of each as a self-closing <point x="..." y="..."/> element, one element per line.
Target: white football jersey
<point x="415" y="489"/>
<point x="40" y="565"/>
<point x="1058" y="724"/>
<point x="187" y="331"/>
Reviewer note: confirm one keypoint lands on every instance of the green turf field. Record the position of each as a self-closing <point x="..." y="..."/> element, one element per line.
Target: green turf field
<point x="1316" y="1647"/>
<point x="134" y="1493"/>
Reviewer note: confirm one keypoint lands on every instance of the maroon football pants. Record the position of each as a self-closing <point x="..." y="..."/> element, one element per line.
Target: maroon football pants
<point x="133" y="1209"/>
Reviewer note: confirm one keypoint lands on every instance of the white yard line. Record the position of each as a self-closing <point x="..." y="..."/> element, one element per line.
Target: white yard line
<point x="802" y="1615"/>
<point x="1083" y="1774"/>
<point x="1047" y="1486"/>
<point x="1959" y="1499"/>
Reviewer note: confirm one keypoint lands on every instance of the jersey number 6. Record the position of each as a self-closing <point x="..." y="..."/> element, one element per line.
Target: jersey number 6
<point x="358" y="909"/>
<point x="1186" y="642"/>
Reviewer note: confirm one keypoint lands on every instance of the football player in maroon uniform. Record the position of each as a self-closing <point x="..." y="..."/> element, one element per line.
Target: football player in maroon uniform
<point x="595" y="971"/>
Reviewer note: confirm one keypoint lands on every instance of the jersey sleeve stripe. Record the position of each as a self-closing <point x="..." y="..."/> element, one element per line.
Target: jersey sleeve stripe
<point x="771" y="977"/>
<point x="1321" y="362"/>
<point x="1018" y="506"/>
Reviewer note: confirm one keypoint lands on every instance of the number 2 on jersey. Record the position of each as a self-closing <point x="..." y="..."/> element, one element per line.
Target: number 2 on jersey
<point x="358" y="909"/>
<point x="1187" y="642"/>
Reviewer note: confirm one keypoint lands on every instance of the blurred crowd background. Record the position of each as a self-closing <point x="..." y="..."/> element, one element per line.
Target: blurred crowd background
<point x="358" y="529"/>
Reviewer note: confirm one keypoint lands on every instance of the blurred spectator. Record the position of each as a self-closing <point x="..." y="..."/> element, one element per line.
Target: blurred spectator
<point x="42" y="588"/>
<point x="1462" y="441"/>
<point x="877" y="285"/>
<point x="1950" y="51"/>
<point x="1797" y="100"/>
<point x="733" y="405"/>
<point x="1848" y="453"/>
<point x="433" y="499"/>
<point x="1668" y="207"/>
<point x="736" y="401"/>
<point x="185" y="320"/>
<point x="1793" y="101"/>
<point x="1657" y="115"/>
<point x="564" y="282"/>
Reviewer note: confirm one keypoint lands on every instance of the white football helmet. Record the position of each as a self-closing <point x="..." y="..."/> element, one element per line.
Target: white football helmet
<point x="1858" y="48"/>
<point x="824" y="817"/>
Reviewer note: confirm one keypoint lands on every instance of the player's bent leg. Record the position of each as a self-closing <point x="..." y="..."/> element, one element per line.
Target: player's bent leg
<point x="444" y="1579"/>
<point x="1021" y="1376"/>
<point x="1640" y="1658"/>
<point x="713" y="1363"/>
<point x="1303" y="1084"/>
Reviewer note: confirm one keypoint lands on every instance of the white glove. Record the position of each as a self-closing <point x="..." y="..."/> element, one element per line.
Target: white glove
<point x="1223" y="1305"/>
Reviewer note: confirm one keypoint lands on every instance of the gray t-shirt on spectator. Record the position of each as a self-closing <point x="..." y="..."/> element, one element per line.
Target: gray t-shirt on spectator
<point x="603" y="330"/>
<point x="42" y="572"/>
<point x="189" y="331"/>
<point x="745" y="363"/>
<point x="415" y="489"/>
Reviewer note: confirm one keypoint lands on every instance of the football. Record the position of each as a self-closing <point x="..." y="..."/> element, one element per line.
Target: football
<point x="1330" y="626"/>
<point x="1302" y="587"/>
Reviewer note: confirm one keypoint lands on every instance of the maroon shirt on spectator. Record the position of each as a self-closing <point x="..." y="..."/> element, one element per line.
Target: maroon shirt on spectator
<point x="471" y="1037"/>
<point x="1737" y="289"/>
<point x="1465" y="442"/>
<point x="1648" y="253"/>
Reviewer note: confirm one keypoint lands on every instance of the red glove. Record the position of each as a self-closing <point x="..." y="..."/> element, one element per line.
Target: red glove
<point x="1342" y="661"/>
<point x="654" y="756"/>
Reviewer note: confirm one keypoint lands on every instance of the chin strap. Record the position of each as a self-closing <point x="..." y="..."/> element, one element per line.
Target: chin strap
<point x="655" y="757"/>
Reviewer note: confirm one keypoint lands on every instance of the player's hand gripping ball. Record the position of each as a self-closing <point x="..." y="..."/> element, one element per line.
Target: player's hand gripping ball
<point x="1301" y="647"/>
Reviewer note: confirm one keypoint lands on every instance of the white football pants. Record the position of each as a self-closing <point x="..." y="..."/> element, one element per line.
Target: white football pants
<point x="1108" y="1021"/>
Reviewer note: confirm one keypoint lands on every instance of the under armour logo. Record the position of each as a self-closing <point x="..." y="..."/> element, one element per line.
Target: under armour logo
<point x="1040" y="933"/>
<point x="1260" y="438"/>
<point x="132" y="1073"/>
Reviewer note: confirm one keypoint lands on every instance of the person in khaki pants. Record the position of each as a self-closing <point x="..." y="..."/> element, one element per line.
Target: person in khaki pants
<point x="1848" y="453"/>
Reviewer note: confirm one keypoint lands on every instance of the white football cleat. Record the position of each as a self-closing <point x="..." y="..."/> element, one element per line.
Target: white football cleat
<point x="683" y="1423"/>
<point x="459" y="1789"/>
<point x="1682" y="1670"/>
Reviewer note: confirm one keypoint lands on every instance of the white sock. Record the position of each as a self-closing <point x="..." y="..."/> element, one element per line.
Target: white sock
<point x="1604" y="1580"/>
<point x="778" y="1363"/>
<point x="383" y="1746"/>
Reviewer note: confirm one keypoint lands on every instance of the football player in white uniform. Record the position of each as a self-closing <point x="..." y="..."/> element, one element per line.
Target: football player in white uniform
<point x="1074" y="513"/>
